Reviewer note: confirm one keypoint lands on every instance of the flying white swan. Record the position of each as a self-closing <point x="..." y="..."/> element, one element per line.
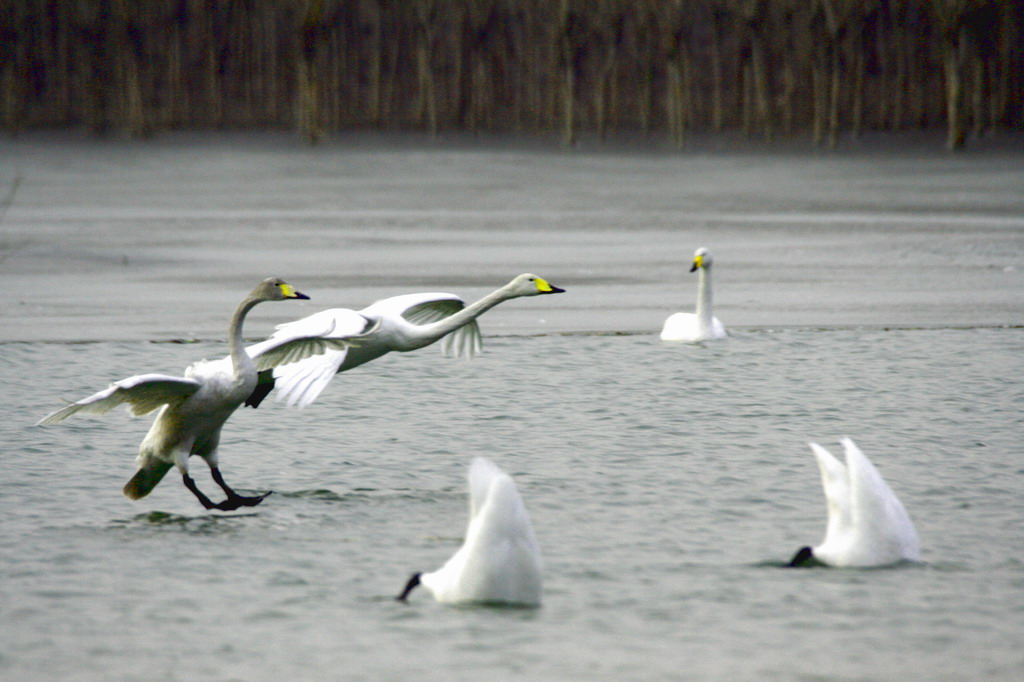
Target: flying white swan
<point x="702" y="325"/>
<point x="400" y="323"/>
<point x="195" y="407"/>
<point x="499" y="561"/>
<point x="867" y="524"/>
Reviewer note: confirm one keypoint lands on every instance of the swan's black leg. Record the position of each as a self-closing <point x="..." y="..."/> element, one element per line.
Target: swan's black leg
<point x="234" y="500"/>
<point x="191" y="485"/>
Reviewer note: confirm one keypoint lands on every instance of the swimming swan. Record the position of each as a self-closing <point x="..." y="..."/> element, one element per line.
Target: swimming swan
<point x="499" y="561"/>
<point x="703" y="325"/>
<point x="400" y="323"/>
<point x="867" y="524"/>
<point x="195" y="407"/>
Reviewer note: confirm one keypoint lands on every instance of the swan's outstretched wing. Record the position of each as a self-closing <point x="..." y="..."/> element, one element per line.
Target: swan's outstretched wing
<point x="143" y="393"/>
<point x="427" y="308"/>
<point x="421" y="308"/>
<point x="287" y="351"/>
<point x="318" y="325"/>
<point x="300" y="382"/>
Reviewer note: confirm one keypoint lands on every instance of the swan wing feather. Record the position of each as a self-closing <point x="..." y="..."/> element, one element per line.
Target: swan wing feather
<point x="437" y="307"/>
<point x="143" y="393"/>
<point x="482" y="474"/>
<point x="429" y="307"/>
<point x="464" y="341"/>
<point x="878" y="514"/>
<point x="420" y="308"/>
<point x="332" y="323"/>
<point x="835" y="483"/>
<point x="295" y="350"/>
<point x="306" y="353"/>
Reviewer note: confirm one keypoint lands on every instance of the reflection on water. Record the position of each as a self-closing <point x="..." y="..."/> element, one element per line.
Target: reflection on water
<point x="201" y="524"/>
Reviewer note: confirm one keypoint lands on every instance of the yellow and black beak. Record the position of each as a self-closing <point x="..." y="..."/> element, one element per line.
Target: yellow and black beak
<point x="545" y="287"/>
<point x="289" y="292"/>
<point x="698" y="262"/>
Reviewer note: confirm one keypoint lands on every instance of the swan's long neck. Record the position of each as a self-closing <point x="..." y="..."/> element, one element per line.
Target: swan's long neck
<point x="467" y="314"/>
<point x="704" y="314"/>
<point x="240" y="360"/>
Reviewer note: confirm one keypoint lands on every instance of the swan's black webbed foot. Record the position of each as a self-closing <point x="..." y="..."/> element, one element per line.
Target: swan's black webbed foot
<point x="235" y="501"/>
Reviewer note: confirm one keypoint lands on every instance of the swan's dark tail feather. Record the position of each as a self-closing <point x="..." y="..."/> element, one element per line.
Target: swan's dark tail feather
<point x="145" y="479"/>
<point x="263" y="388"/>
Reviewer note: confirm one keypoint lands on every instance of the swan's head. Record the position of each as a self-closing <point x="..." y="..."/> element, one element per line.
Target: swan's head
<point x="275" y="289"/>
<point x="409" y="586"/>
<point x="805" y="558"/>
<point x="531" y="285"/>
<point x="701" y="259"/>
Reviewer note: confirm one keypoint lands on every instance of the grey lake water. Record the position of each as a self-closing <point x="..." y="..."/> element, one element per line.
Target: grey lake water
<point x="877" y="292"/>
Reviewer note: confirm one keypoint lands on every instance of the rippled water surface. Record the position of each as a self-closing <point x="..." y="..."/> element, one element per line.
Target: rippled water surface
<point x="667" y="483"/>
<point x="869" y="294"/>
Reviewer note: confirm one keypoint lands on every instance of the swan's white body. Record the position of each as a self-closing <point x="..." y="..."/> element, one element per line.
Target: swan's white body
<point x="193" y="408"/>
<point x="702" y="325"/>
<point x="499" y="561"/>
<point x="399" y="323"/>
<point x="867" y="524"/>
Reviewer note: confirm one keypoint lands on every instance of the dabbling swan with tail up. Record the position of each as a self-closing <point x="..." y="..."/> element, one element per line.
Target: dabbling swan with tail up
<point x="867" y="524"/>
<point x="400" y="323"/>
<point x="499" y="561"/>
<point x="702" y="325"/>
<point x="194" y="408"/>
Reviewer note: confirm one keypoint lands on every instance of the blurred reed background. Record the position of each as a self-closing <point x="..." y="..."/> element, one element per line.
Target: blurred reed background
<point x="767" y="68"/>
